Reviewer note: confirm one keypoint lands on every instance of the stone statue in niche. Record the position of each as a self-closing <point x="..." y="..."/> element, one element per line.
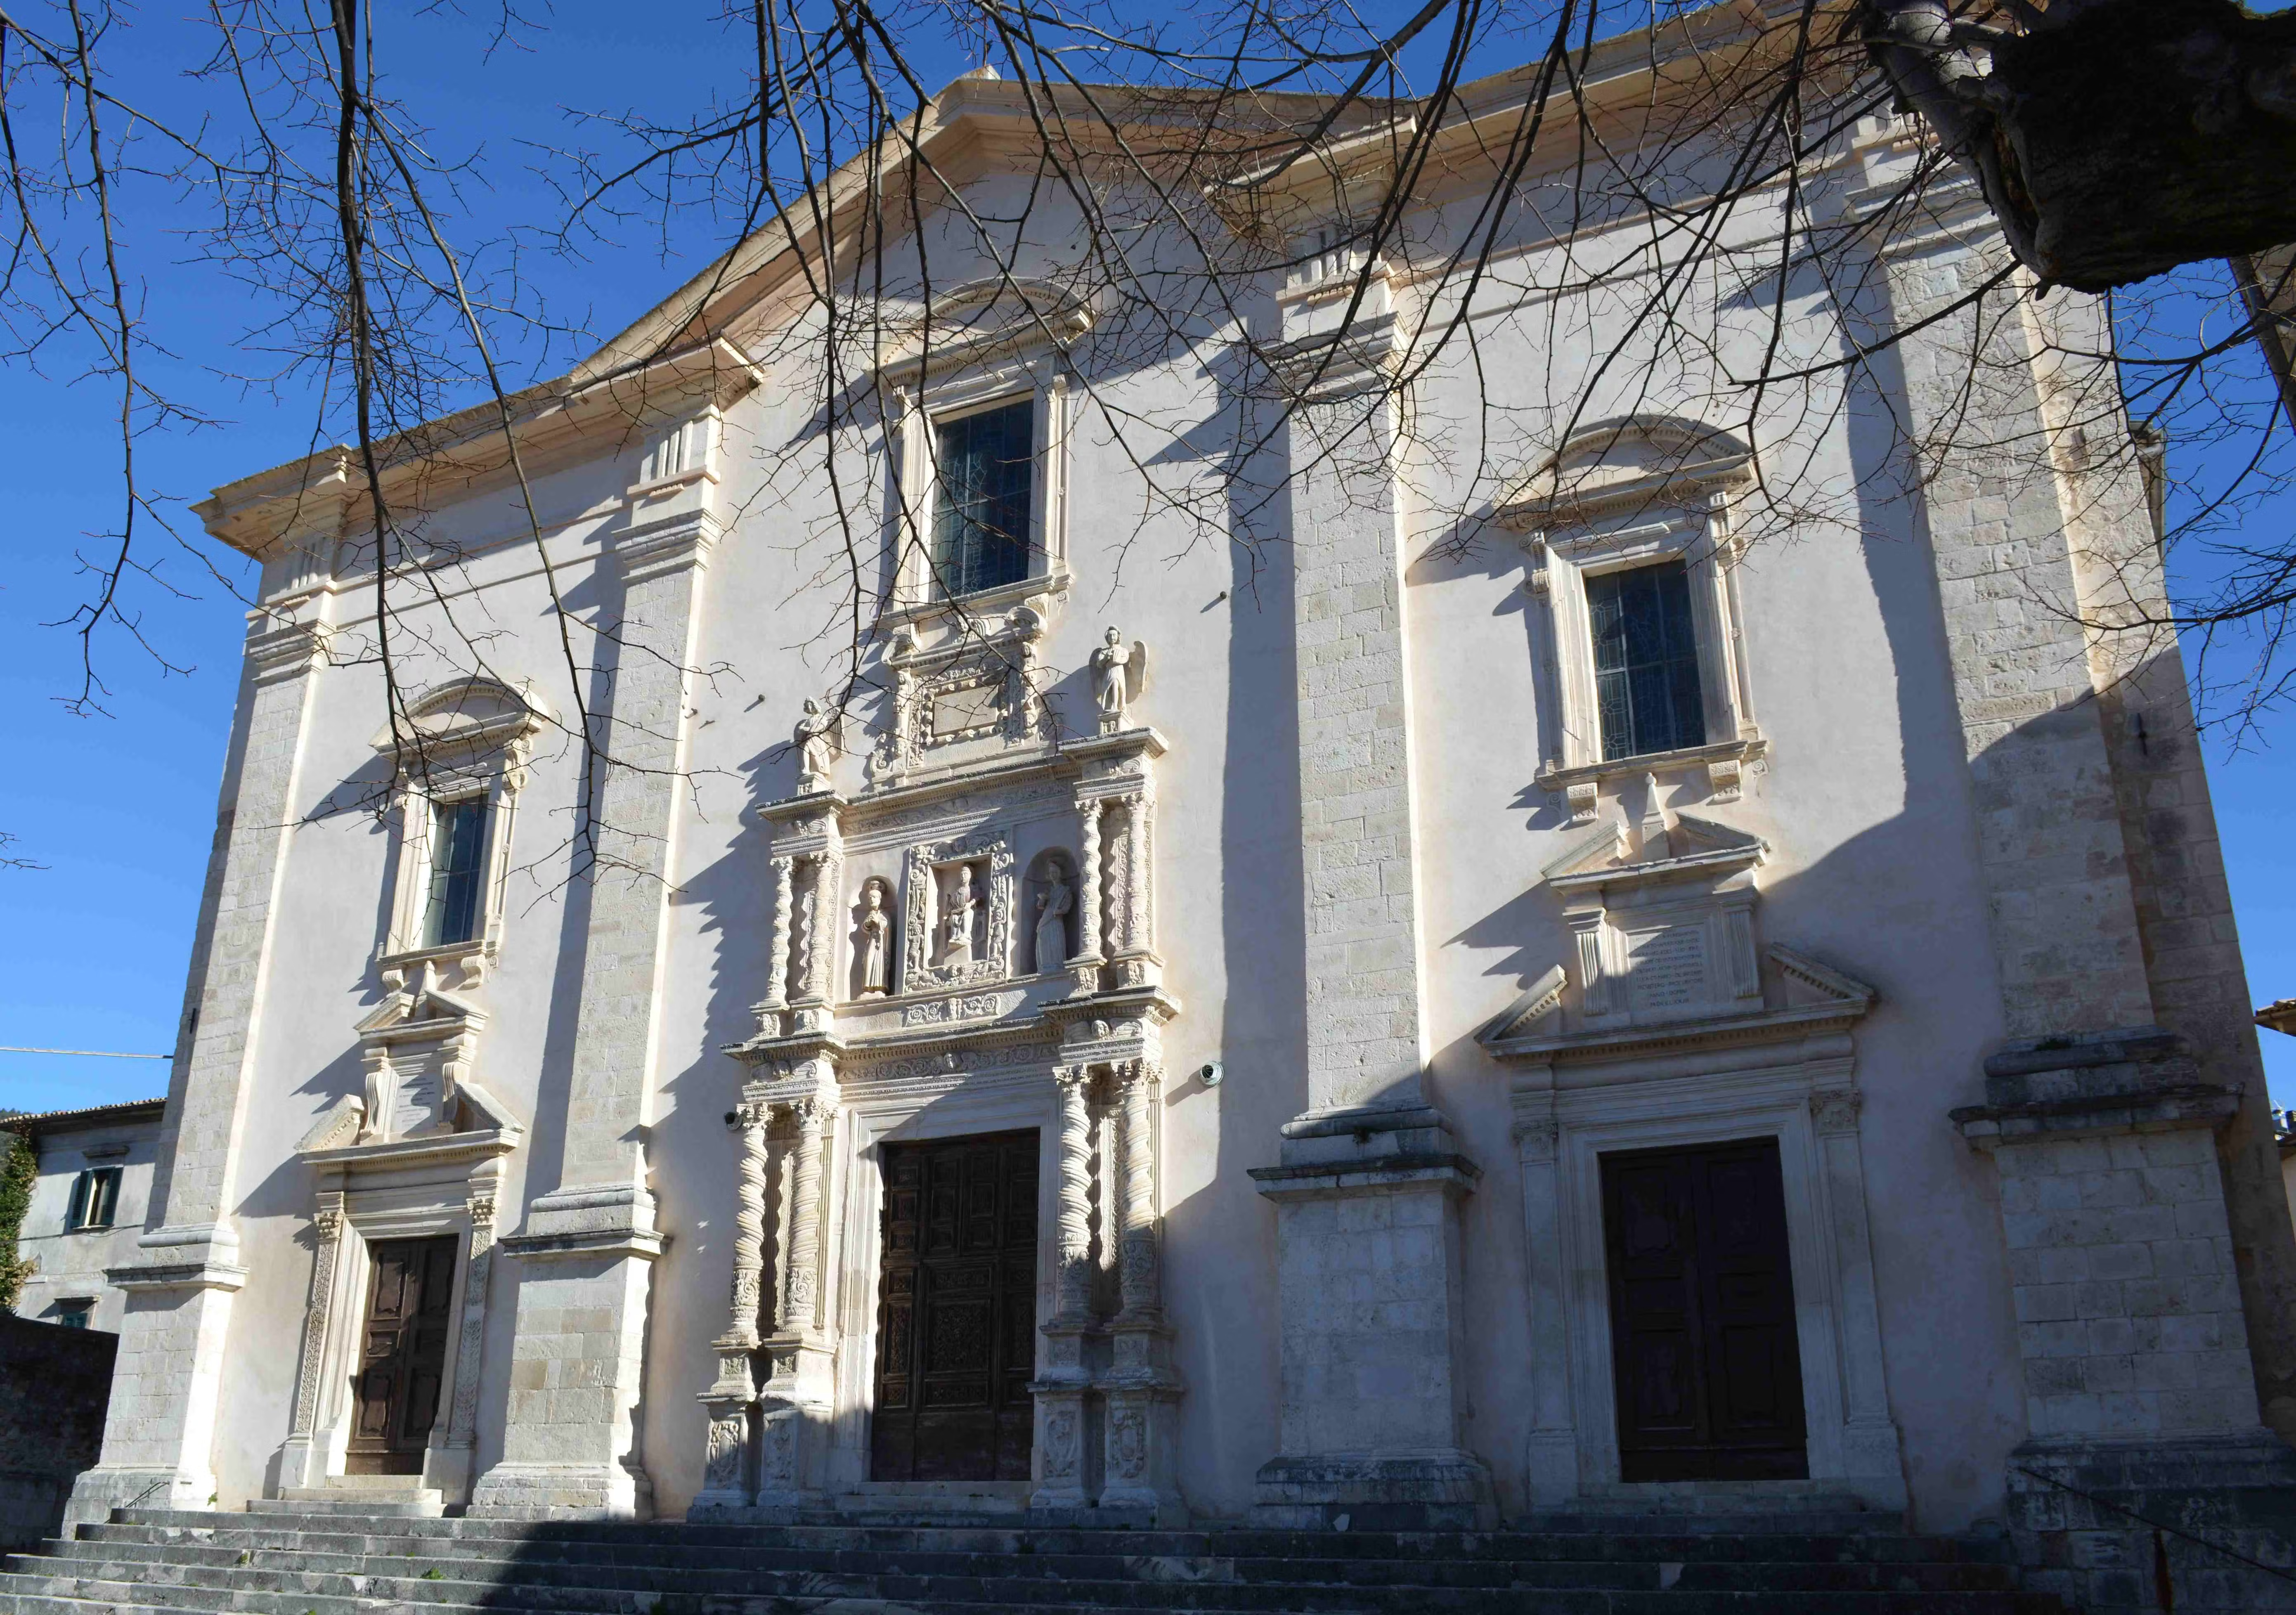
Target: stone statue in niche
<point x="875" y="943"/>
<point x="959" y="904"/>
<point x="815" y="737"/>
<point x="1120" y="672"/>
<point x="1054" y="900"/>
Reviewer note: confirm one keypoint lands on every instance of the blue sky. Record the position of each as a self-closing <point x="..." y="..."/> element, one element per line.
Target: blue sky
<point x="119" y="808"/>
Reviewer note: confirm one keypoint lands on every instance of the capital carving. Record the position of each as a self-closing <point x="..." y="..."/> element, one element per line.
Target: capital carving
<point x="1836" y="1110"/>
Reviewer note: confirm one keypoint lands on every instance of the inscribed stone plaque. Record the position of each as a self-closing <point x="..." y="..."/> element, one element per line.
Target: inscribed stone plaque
<point x="1666" y="970"/>
<point x="970" y="707"/>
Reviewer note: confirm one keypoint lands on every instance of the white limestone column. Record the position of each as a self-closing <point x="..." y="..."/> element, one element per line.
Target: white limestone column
<point x="777" y="956"/>
<point x="821" y="936"/>
<point x="159" y="1428"/>
<point x="725" y="1455"/>
<point x="1136" y="963"/>
<point x="1552" y="1454"/>
<point x="586" y="1252"/>
<point x="1369" y="1177"/>
<point x="1141" y="1390"/>
<point x="470" y="1352"/>
<point x="1085" y="965"/>
<point x="1059" y="1388"/>
<point x="802" y="1300"/>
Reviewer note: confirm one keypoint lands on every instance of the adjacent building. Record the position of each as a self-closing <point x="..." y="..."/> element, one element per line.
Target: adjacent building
<point x="87" y="1208"/>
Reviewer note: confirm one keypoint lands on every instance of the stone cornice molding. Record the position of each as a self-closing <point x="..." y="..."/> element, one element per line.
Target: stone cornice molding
<point x="1578" y="483"/>
<point x="656" y="549"/>
<point x="257" y="514"/>
<point x="440" y="724"/>
<point x="1051" y="315"/>
<point x="1526" y="1031"/>
<point x="279" y="651"/>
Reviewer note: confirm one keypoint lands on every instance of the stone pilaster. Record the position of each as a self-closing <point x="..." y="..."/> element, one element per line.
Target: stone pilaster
<point x="570" y="1445"/>
<point x="2140" y="1397"/>
<point x="777" y="956"/>
<point x="1369" y="1179"/>
<point x="302" y="1462"/>
<point x="159" y="1428"/>
<point x="470" y="1352"/>
<point x="797" y="1395"/>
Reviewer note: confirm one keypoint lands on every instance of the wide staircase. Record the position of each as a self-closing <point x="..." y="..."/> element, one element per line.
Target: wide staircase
<point x="282" y="1564"/>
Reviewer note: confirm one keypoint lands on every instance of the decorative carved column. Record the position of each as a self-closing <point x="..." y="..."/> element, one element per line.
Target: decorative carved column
<point x="1063" y="1464"/>
<point x="796" y="1401"/>
<point x="1085" y="965"/>
<point x="815" y="990"/>
<point x="1136" y="958"/>
<point x="724" y="1482"/>
<point x="801" y="1301"/>
<point x="1141" y="1388"/>
<point x="777" y="961"/>
<point x="304" y="1464"/>
<point x="463" y="1417"/>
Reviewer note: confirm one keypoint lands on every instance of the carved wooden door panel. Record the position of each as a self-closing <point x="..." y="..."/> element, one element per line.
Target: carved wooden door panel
<point x="1703" y="1340"/>
<point x="402" y="1354"/>
<point x="956" y="1311"/>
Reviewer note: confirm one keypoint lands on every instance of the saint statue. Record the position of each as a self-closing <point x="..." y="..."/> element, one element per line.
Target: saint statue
<point x="957" y="907"/>
<point x="1052" y="906"/>
<point x="876" y="933"/>
<point x="815" y="738"/>
<point x="1118" y="672"/>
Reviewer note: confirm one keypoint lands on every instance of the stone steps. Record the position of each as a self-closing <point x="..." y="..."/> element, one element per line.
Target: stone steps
<point x="288" y="1568"/>
<point x="163" y="1563"/>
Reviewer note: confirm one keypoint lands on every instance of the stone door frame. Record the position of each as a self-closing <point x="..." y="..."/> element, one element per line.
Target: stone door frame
<point x="998" y="1102"/>
<point x="1811" y="1110"/>
<point x="352" y="1210"/>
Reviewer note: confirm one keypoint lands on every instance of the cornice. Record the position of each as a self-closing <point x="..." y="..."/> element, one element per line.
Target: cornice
<point x="257" y="514"/>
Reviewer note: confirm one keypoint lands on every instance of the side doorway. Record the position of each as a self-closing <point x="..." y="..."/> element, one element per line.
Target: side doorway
<point x="1706" y="1357"/>
<point x="402" y="1361"/>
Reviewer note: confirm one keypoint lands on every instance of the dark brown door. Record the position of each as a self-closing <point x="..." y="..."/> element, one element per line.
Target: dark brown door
<point x="1702" y="1315"/>
<point x="956" y="1311"/>
<point x="402" y="1354"/>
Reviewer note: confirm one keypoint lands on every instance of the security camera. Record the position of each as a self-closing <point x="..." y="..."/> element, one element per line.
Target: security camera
<point x="1210" y="1072"/>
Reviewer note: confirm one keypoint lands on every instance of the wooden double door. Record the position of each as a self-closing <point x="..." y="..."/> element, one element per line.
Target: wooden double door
<point x="956" y="1311"/>
<point x="402" y="1354"/>
<point x="1703" y="1345"/>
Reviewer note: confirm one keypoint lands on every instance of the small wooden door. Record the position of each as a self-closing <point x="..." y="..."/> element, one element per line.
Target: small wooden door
<point x="1703" y="1337"/>
<point x="402" y="1354"/>
<point x="956" y="1311"/>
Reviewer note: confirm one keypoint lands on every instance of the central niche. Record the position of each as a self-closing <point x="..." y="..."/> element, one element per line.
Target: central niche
<point x="959" y="927"/>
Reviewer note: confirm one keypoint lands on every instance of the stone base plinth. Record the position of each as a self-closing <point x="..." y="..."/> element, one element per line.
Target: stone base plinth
<point x="1367" y="1253"/>
<point x="2150" y="1525"/>
<point x="1374" y="1492"/>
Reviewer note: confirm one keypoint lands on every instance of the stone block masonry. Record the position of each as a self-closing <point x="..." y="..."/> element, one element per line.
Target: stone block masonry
<point x="1368" y="1188"/>
<point x="570" y="1444"/>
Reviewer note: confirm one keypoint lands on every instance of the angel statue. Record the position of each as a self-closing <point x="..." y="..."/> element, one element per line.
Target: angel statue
<point x="876" y="930"/>
<point x="1121" y="673"/>
<point x="816" y="741"/>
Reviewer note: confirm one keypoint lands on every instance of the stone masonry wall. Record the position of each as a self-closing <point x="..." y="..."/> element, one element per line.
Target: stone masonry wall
<point x="2128" y="1311"/>
<point x="1355" y="781"/>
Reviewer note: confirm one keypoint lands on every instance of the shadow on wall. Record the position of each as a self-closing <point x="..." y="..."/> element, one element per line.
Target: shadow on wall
<point x="54" y="1386"/>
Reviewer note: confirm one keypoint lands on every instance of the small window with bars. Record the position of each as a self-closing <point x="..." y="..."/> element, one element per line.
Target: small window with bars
<point x="1648" y="688"/>
<point x="95" y="1199"/>
<point x="982" y="511"/>
<point x="456" y="902"/>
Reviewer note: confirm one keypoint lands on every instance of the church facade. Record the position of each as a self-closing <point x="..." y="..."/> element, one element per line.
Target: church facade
<point x="1411" y="1024"/>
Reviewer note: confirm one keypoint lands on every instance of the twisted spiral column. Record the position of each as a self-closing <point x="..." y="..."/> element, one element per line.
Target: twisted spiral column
<point x="1073" y="1229"/>
<point x="799" y="1302"/>
<point x="1089" y="880"/>
<point x="750" y="1228"/>
<point x="777" y="963"/>
<point x="1142" y="1289"/>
